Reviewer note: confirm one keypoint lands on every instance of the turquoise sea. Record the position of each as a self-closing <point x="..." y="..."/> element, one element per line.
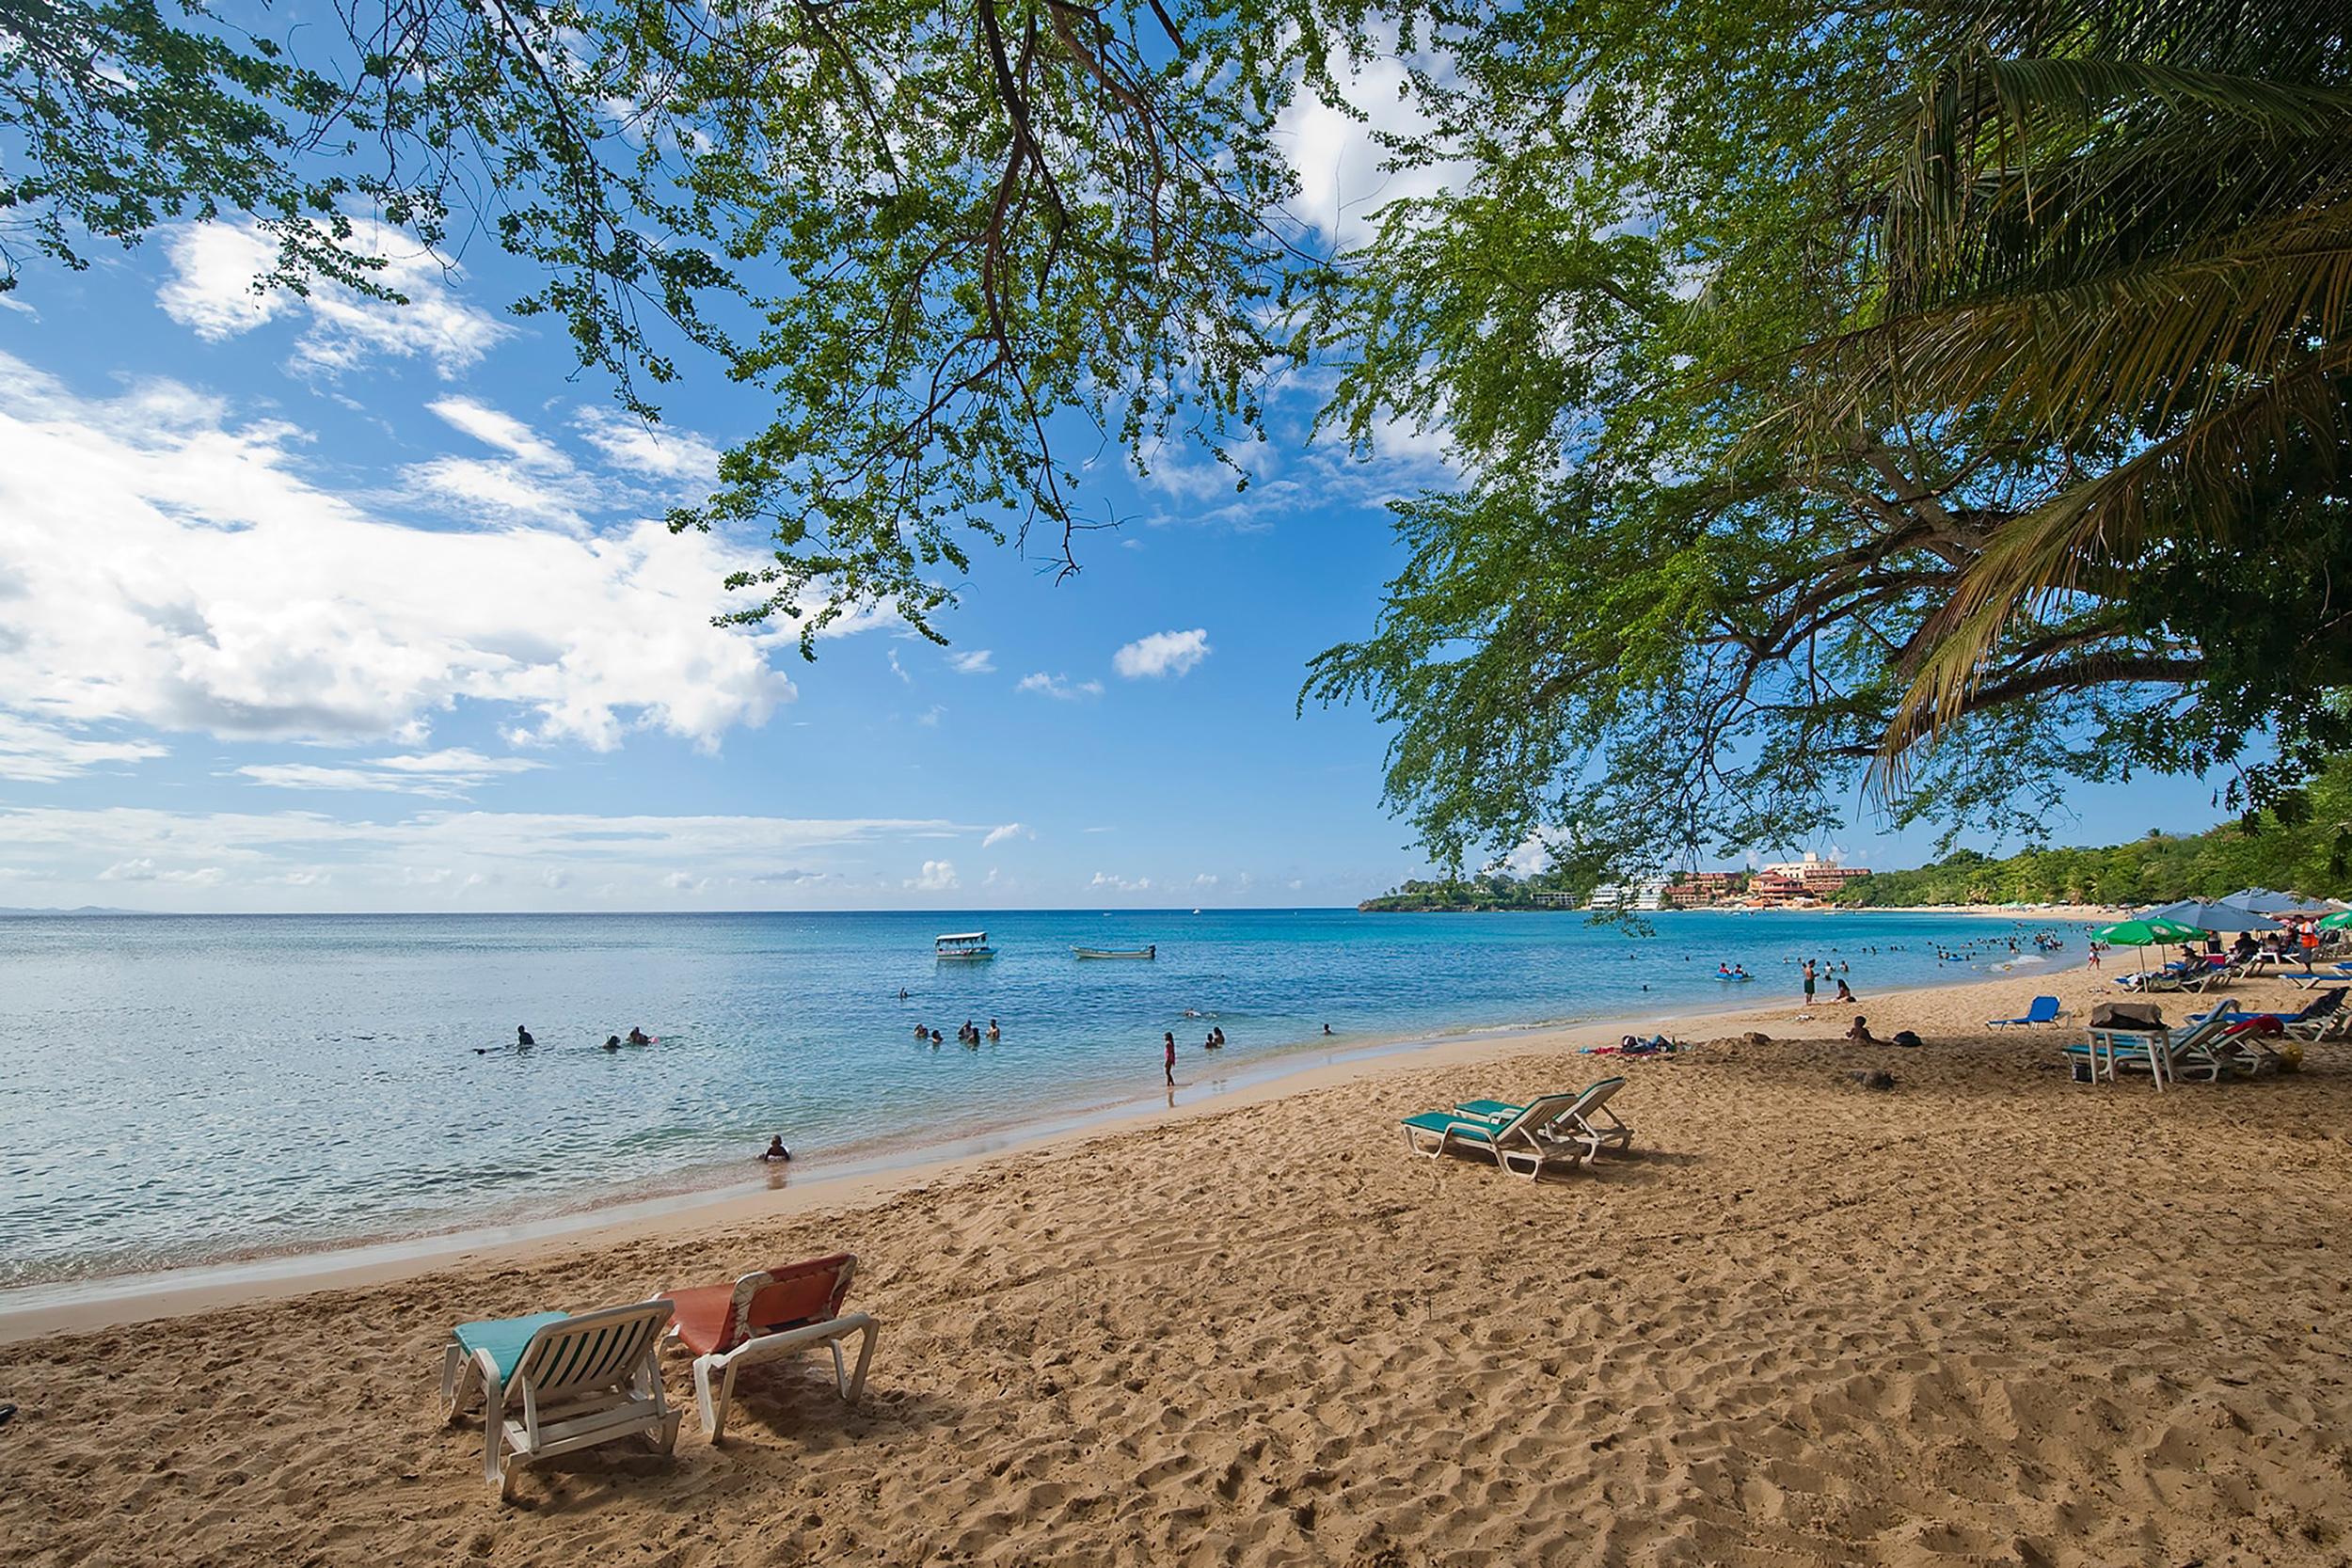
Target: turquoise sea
<point x="178" y="1091"/>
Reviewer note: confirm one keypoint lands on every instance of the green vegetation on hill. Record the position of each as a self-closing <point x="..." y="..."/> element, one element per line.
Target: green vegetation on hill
<point x="2307" y="855"/>
<point x="1496" y="889"/>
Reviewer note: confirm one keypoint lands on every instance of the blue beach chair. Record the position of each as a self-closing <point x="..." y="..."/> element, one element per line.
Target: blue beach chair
<point x="2044" y="1010"/>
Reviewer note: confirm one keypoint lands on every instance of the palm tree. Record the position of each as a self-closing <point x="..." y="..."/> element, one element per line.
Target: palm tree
<point x="2125" y="227"/>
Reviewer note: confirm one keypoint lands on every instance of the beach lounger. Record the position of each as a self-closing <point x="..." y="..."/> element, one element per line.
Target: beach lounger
<point x="2169" y="1055"/>
<point x="764" y="1316"/>
<point x="552" y="1382"/>
<point x="1578" y="1118"/>
<point x="1537" y="1137"/>
<point x="2044" y="1010"/>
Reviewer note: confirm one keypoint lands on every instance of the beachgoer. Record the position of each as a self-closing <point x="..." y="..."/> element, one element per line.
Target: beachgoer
<point x="523" y="1038"/>
<point x="1168" y="1036"/>
<point x="638" y="1037"/>
<point x="612" y="1042"/>
<point x="921" y="1033"/>
<point x="1326" y="1028"/>
<point x="1860" y="1034"/>
<point x="1809" y="982"/>
<point x="995" y="1034"/>
<point x="937" y="1040"/>
<point x="1845" y="992"/>
<point x="776" y="1150"/>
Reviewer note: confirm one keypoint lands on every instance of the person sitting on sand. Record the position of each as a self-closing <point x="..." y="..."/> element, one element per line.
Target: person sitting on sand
<point x="1860" y="1034"/>
<point x="995" y="1034"/>
<point x="776" y="1152"/>
<point x="638" y="1037"/>
<point x="1845" y="992"/>
<point x="523" y="1038"/>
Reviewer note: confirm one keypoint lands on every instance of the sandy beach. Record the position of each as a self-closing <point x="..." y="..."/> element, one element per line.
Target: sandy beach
<point x="1986" y="1316"/>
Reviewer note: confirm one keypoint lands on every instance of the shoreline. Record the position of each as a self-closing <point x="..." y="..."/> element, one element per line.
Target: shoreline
<point x="33" y="1311"/>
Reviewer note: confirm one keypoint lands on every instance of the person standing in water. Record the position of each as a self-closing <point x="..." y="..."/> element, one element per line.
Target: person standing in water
<point x="995" y="1034"/>
<point x="1168" y="1037"/>
<point x="776" y="1152"/>
<point x="523" y="1038"/>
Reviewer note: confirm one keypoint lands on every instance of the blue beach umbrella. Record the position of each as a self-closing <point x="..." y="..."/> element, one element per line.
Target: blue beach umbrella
<point x="2213" y="916"/>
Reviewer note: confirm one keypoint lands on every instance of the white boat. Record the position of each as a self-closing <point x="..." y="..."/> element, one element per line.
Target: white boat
<point x="1150" y="952"/>
<point x="965" y="944"/>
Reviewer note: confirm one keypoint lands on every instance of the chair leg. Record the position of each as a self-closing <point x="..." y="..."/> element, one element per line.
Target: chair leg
<point x="867" y="1333"/>
<point x="702" y="1397"/>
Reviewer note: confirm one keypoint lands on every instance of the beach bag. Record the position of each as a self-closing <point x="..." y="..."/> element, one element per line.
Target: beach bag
<point x="1904" y="1036"/>
<point x="2127" y="1015"/>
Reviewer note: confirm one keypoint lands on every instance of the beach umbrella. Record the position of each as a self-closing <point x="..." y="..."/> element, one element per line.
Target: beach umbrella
<point x="2214" y="917"/>
<point x="2262" y="900"/>
<point x="2339" y="921"/>
<point x="2146" y="931"/>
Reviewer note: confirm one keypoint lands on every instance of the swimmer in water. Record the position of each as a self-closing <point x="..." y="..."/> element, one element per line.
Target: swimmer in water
<point x="638" y="1037"/>
<point x="995" y="1034"/>
<point x="612" y="1042"/>
<point x="523" y="1038"/>
<point x="776" y="1152"/>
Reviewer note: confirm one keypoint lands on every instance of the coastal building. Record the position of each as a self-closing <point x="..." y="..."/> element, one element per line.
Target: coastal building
<point x="1813" y="875"/>
<point x="1698" y="889"/>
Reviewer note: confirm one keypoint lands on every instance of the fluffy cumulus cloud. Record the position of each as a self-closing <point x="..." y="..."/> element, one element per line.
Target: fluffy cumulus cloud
<point x="1059" y="688"/>
<point x="935" y="877"/>
<point x="210" y="292"/>
<point x="1162" y="654"/>
<point x="235" y="597"/>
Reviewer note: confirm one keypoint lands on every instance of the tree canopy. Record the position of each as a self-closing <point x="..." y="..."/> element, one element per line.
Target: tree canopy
<point x="1948" y="393"/>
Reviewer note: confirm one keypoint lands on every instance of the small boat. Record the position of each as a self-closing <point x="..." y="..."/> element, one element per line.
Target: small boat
<point x="965" y="945"/>
<point x="1150" y="952"/>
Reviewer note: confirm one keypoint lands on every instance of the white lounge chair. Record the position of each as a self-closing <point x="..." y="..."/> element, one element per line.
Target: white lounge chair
<point x="766" y="1315"/>
<point x="1526" y="1140"/>
<point x="1576" y="1122"/>
<point x="578" y="1381"/>
<point x="2170" y="1055"/>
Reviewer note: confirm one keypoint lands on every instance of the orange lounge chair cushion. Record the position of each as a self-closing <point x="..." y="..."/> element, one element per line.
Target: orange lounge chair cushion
<point x="799" y="1293"/>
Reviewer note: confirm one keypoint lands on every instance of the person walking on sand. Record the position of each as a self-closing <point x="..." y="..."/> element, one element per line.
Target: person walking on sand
<point x="1169" y="1038"/>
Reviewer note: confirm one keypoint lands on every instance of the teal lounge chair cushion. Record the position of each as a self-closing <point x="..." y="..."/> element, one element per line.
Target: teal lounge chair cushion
<point x="1489" y="1108"/>
<point x="504" y="1339"/>
<point x="1440" y="1122"/>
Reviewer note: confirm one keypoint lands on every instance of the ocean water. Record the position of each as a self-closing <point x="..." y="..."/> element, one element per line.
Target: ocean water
<point x="178" y="1091"/>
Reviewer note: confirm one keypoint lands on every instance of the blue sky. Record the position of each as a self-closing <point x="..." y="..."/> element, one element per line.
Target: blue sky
<point x="334" y="605"/>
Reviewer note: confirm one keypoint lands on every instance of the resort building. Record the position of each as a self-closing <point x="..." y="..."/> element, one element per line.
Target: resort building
<point x="1813" y="875"/>
<point x="1698" y="889"/>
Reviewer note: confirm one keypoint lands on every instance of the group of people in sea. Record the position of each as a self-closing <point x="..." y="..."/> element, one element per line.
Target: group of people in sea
<point x="524" y="1041"/>
<point x="1813" y="971"/>
<point x="969" y="1034"/>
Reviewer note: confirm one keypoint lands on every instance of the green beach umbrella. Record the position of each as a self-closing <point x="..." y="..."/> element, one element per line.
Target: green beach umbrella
<point x="2146" y="931"/>
<point x="2339" y="921"/>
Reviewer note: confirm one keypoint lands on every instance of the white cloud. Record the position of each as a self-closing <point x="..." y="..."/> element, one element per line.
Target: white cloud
<point x="900" y="669"/>
<point x="495" y="428"/>
<point x="1163" y="653"/>
<point x="465" y="857"/>
<point x="446" y="775"/>
<point x="1104" y="882"/>
<point x="39" y="753"/>
<point x="143" y="869"/>
<point x="210" y="292"/>
<point x="1058" y="687"/>
<point x="1011" y="829"/>
<point x="657" y="451"/>
<point x="972" y="661"/>
<point x="162" y="565"/>
<point x="936" y="876"/>
<point x="474" y="490"/>
<point x="1339" y="157"/>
